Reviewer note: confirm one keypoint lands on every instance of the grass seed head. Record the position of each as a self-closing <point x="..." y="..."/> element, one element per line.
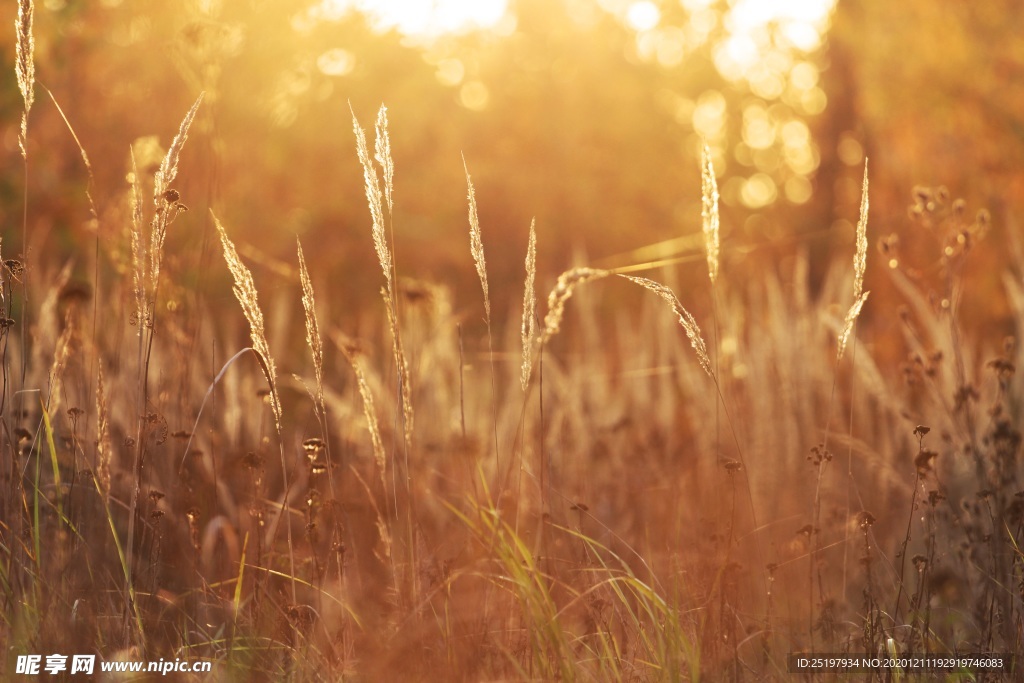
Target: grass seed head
<point x="529" y="306"/>
<point x="382" y="153"/>
<point x="245" y="292"/>
<point x="709" y="211"/>
<point x="375" y="200"/>
<point x="313" y="339"/>
<point x="166" y="211"/>
<point x="477" y="246"/>
<point x="25" y="66"/>
<point x="685" y="319"/>
<point x="352" y="355"/>
<point x="860" y="258"/>
<point x="562" y="292"/>
<point x="851" y="318"/>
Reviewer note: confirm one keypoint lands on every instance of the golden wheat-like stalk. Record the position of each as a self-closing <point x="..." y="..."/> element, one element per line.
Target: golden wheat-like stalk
<point x="245" y="292"/>
<point x="138" y="248"/>
<point x="103" y="444"/>
<point x="375" y="199"/>
<point x="163" y="197"/>
<point x="709" y="211"/>
<point x="851" y="318"/>
<point x="25" y="66"/>
<point x="529" y="306"/>
<point x="685" y="319"/>
<point x="168" y="170"/>
<point x="313" y="339"/>
<point x="560" y="294"/>
<point x="860" y="258"/>
<point x="382" y="153"/>
<point x="61" y="354"/>
<point x="369" y="411"/>
<point x="476" y="245"/>
<point x="48" y="331"/>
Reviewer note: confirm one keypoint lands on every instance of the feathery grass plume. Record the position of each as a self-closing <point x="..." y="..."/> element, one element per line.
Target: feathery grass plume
<point x="25" y="66"/>
<point x="316" y="345"/>
<point x="165" y="199"/>
<point x="529" y="305"/>
<point x="709" y="211"/>
<point x="851" y="318"/>
<point x="168" y="170"/>
<point x="138" y="248"/>
<point x="61" y="354"/>
<point x="563" y="290"/>
<point x="374" y="199"/>
<point x="685" y="319"/>
<point x="860" y="258"/>
<point x="476" y="244"/>
<point x="245" y="292"/>
<point x="103" y="445"/>
<point x="369" y="411"/>
<point x="382" y="153"/>
<point x="47" y="330"/>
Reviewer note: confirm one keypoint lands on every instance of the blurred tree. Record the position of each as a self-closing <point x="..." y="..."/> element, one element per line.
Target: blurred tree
<point x="937" y="99"/>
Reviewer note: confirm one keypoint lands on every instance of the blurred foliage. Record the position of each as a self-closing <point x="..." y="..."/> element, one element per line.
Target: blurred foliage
<point x="583" y="113"/>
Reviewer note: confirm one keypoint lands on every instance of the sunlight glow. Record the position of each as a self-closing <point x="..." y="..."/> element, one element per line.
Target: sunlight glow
<point x="757" y="31"/>
<point x="643" y="16"/>
<point x="421" y="18"/>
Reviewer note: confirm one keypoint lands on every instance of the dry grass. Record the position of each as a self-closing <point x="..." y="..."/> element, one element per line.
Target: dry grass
<point x="560" y="295"/>
<point x="621" y="555"/>
<point x="860" y="257"/>
<point x="313" y="339"/>
<point x="709" y="212"/>
<point x="685" y="319"/>
<point x="25" y="66"/>
<point x="528" y="328"/>
<point x="860" y="261"/>
<point x="104" y="447"/>
<point x="245" y="292"/>
<point x="374" y="197"/>
<point x="476" y="246"/>
<point x="165" y="199"/>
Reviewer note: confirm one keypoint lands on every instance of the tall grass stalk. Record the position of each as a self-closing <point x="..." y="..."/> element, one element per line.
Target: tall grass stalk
<point x="528" y="334"/>
<point x="560" y="294"/>
<point x="710" y="223"/>
<point x="370" y="413"/>
<point x="147" y="259"/>
<point x="528" y="331"/>
<point x="94" y="223"/>
<point x="316" y="348"/>
<point x="476" y="245"/>
<point x="822" y="455"/>
<point x="245" y="291"/>
<point x="375" y="198"/>
<point x="25" y="70"/>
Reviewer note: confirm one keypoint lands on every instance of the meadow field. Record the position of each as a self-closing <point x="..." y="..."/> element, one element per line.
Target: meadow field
<point x="336" y="402"/>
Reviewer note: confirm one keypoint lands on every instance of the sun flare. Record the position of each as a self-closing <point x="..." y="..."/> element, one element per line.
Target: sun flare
<point x="423" y="18"/>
